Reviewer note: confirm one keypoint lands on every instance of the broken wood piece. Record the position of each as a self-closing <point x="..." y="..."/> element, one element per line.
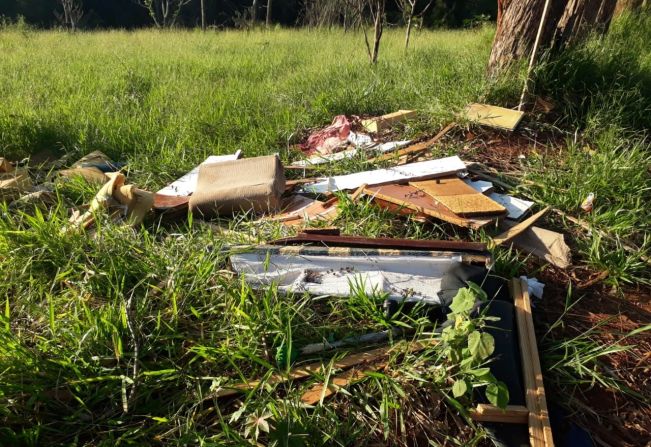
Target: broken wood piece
<point x="494" y="116"/>
<point x="516" y="230"/>
<point x="299" y="210"/>
<point x="358" y="192"/>
<point x="416" y="148"/>
<point x="459" y="197"/>
<point x="411" y="198"/>
<point x="308" y="370"/>
<point x="380" y="123"/>
<point x="381" y="242"/>
<point x="409" y="172"/>
<point x="323" y="390"/>
<point x="540" y="433"/>
<point x="512" y="414"/>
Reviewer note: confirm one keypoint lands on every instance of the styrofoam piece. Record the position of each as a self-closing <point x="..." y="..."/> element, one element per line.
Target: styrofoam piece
<point x="186" y="185"/>
<point x="413" y="171"/>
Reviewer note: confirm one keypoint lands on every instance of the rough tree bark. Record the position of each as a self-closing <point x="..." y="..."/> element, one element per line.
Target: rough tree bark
<point x="567" y="22"/>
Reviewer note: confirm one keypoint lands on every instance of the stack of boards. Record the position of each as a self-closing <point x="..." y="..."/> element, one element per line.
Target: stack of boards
<point x="446" y="198"/>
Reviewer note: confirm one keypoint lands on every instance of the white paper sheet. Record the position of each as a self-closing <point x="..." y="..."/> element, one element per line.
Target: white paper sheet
<point x="186" y="185"/>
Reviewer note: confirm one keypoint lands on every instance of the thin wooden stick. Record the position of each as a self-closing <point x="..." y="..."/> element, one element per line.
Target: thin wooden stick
<point x="543" y="19"/>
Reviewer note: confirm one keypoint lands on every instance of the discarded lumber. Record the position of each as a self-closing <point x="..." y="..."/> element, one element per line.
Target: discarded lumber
<point x="407" y="197"/>
<point x="516" y="230"/>
<point x="494" y="116"/>
<point x="459" y="197"/>
<point x="380" y="242"/>
<point x="539" y="427"/>
<point x="323" y="390"/>
<point x="512" y="414"/>
<point x="306" y="371"/>
<point x="416" y="148"/>
<point x="380" y="123"/>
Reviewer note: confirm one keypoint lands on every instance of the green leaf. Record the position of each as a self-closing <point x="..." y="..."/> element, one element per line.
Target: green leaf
<point x="481" y="344"/>
<point x="478" y="291"/>
<point x="463" y="301"/>
<point x="459" y="388"/>
<point x="480" y="373"/>
<point x="498" y="394"/>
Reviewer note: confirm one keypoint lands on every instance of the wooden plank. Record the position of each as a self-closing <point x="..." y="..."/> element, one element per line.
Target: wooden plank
<point x="415" y="149"/>
<point x="494" y="116"/>
<point x="412" y="198"/>
<point x="378" y="124"/>
<point x="322" y="390"/>
<point x="512" y="414"/>
<point x="459" y="197"/>
<point x="381" y="242"/>
<point x="358" y="192"/>
<point x="309" y="370"/>
<point x="514" y="231"/>
<point x="539" y="426"/>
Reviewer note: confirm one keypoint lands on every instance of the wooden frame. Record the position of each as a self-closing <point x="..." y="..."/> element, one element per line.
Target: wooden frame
<point x="535" y="413"/>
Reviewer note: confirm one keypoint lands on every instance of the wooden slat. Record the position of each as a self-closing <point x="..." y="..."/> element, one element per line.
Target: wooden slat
<point x="539" y="427"/>
<point x="494" y="116"/>
<point x="380" y="123"/>
<point x="314" y="394"/>
<point x="514" y="231"/>
<point x="459" y="197"/>
<point x="414" y="149"/>
<point x="512" y="414"/>
<point x="309" y="370"/>
<point x="412" y="198"/>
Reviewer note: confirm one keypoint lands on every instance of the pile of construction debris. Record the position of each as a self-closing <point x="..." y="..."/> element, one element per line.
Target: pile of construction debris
<point x="321" y="261"/>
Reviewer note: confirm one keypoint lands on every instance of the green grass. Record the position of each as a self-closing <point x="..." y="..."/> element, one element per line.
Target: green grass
<point x="120" y="339"/>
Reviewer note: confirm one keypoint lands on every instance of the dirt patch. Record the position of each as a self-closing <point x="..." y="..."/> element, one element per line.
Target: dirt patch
<point x="613" y="418"/>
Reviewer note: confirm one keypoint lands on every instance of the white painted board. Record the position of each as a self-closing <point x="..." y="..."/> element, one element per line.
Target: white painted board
<point x="516" y="207"/>
<point x="413" y="171"/>
<point x="187" y="184"/>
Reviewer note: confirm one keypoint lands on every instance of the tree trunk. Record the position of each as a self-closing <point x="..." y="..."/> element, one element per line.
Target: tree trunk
<point x="269" y="5"/>
<point x="583" y="16"/>
<point x="409" y="21"/>
<point x="254" y="11"/>
<point x="567" y="22"/>
<point x="203" y="16"/>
